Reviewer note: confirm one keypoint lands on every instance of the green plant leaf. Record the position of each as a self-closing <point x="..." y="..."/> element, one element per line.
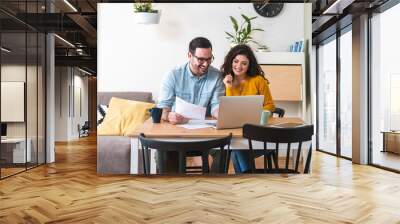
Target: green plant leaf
<point x="234" y="22"/>
<point x="230" y="35"/>
<point x="243" y="33"/>
<point x="245" y="36"/>
<point x="249" y="28"/>
<point x="245" y="18"/>
<point x="143" y="7"/>
<point x="241" y="26"/>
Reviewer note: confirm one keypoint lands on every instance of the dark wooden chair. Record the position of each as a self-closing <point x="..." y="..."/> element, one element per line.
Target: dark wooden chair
<point x="277" y="135"/>
<point x="278" y="111"/>
<point x="83" y="130"/>
<point x="185" y="149"/>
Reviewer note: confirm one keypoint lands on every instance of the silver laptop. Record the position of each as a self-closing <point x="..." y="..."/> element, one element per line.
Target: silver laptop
<point x="235" y="111"/>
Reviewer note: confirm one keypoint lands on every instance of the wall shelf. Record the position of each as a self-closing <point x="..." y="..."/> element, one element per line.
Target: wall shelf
<point x="280" y="58"/>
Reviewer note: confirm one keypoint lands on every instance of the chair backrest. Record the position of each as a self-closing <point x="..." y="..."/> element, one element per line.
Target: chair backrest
<point x="182" y="147"/>
<point x="279" y="111"/>
<point x="86" y="125"/>
<point x="260" y="133"/>
<point x="277" y="135"/>
<point x="105" y="97"/>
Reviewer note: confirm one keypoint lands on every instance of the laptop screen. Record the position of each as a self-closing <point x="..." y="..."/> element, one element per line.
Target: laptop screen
<point x="3" y="129"/>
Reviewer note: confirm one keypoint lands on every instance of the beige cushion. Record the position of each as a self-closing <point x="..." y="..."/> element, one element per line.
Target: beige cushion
<point x="124" y="116"/>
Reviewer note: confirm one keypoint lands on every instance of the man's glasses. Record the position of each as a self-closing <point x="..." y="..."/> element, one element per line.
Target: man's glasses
<point x="202" y="60"/>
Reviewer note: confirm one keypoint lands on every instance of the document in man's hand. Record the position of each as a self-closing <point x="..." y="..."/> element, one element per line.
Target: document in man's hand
<point x="189" y="110"/>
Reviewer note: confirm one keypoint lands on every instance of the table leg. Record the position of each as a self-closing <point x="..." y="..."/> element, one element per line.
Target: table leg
<point x="384" y="142"/>
<point x="153" y="162"/>
<point x="134" y="156"/>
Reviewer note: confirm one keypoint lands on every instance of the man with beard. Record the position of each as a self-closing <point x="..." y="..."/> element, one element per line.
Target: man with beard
<point x="196" y="82"/>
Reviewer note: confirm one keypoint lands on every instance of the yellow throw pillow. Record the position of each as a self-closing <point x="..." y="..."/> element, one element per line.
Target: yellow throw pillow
<point x="124" y="116"/>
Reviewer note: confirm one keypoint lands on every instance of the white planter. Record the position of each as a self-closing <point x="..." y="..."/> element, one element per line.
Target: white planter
<point x="233" y="45"/>
<point x="147" y="18"/>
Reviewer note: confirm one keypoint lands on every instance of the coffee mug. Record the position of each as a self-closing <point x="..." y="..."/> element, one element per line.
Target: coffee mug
<point x="264" y="117"/>
<point x="156" y="114"/>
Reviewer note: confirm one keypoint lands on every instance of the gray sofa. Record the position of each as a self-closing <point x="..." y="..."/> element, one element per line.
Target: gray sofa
<point x="114" y="152"/>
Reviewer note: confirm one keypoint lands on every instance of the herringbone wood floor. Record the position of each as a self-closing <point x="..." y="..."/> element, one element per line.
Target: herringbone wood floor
<point x="70" y="191"/>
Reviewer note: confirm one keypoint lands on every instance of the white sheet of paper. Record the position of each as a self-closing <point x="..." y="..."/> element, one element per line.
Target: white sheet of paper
<point x="197" y="124"/>
<point x="189" y="110"/>
<point x="205" y="122"/>
<point x="194" y="126"/>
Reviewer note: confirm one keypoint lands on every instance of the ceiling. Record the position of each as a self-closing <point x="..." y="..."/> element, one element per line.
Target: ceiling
<point x="332" y="15"/>
<point x="76" y="22"/>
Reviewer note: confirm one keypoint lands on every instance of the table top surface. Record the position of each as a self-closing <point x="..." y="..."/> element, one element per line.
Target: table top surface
<point x="167" y="130"/>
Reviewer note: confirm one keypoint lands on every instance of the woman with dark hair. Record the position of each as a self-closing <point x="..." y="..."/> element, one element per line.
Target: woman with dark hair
<point x="242" y="75"/>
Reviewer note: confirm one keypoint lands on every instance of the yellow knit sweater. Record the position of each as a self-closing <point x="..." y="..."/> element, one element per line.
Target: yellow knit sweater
<point x="253" y="86"/>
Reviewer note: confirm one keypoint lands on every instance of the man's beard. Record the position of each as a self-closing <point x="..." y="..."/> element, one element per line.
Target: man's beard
<point x="203" y="70"/>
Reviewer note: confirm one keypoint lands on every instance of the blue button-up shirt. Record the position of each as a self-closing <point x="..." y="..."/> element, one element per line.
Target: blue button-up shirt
<point x="202" y="90"/>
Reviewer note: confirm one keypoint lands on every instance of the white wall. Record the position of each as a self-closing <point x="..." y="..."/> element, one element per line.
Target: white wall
<point x="80" y="84"/>
<point x="61" y="103"/>
<point x="67" y="112"/>
<point x="135" y="57"/>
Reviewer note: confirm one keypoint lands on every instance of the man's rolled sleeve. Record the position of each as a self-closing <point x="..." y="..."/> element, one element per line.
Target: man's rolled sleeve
<point x="167" y="92"/>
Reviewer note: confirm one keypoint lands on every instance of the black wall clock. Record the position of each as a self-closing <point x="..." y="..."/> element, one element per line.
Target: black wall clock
<point x="268" y="9"/>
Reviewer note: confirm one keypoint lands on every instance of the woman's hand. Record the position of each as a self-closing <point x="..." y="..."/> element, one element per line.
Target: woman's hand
<point x="228" y="81"/>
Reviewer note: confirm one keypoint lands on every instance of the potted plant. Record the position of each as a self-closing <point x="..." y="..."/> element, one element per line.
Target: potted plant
<point x="243" y="33"/>
<point x="145" y="14"/>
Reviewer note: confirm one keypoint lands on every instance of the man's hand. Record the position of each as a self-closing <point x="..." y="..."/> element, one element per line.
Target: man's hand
<point x="175" y="118"/>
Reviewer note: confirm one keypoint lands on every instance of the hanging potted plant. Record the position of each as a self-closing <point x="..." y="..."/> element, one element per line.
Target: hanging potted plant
<point x="243" y="34"/>
<point x="145" y="14"/>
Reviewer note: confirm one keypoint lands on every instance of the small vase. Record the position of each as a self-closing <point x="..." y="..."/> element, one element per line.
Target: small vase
<point x="233" y="45"/>
<point x="147" y="17"/>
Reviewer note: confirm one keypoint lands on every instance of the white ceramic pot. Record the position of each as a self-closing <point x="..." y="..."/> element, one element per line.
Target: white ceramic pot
<point x="147" y="17"/>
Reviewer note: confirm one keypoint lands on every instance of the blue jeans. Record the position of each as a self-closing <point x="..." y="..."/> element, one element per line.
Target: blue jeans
<point x="240" y="160"/>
